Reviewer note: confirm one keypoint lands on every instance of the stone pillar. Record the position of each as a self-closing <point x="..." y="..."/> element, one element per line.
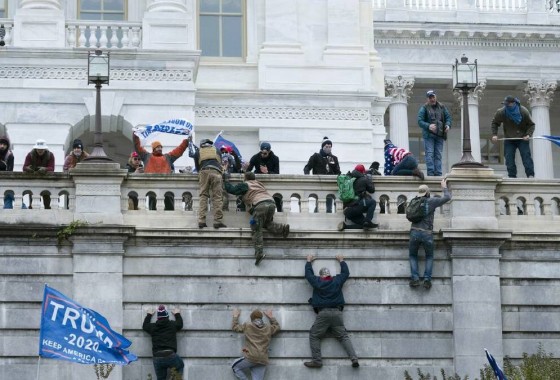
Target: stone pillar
<point x="98" y="278"/>
<point x="540" y="93"/>
<point x="473" y="98"/>
<point x="169" y="25"/>
<point x="474" y="240"/>
<point x="399" y="90"/>
<point x="98" y="192"/>
<point x="39" y="24"/>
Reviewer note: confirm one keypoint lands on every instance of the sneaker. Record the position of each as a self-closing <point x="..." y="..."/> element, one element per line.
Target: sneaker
<point x="285" y="230"/>
<point x="219" y="225"/>
<point x="340" y="226"/>
<point x="355" y="363"/>
<point x="414" y="283"/>
<point x="313" y="364"/>
<point x="202" y="225"/>
<point x="260" y="256"/>
<point x="369" y="225"/>
<point x="418" y="173"/>
<point x="427" y="284"/>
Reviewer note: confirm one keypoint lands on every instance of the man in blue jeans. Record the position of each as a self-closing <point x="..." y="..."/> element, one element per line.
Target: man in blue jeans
<point x="421" y="234"/>
<point x="519" y="127"/>
<point x="435" y="121"/>
<point x="164" y="341"/>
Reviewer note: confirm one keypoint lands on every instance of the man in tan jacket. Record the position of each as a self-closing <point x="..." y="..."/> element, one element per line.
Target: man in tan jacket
<point x="257" y="339"/>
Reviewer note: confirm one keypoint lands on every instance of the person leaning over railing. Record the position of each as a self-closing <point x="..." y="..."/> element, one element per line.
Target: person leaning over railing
<point x="41" y="161"/>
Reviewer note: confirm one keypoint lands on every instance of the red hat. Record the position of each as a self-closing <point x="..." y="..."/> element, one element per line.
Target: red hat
<point x="360" y="168"/>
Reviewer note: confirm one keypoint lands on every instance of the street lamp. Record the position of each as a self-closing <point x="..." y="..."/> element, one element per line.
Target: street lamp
<point x="465" y="77"/>
<point x="98" y="74"/>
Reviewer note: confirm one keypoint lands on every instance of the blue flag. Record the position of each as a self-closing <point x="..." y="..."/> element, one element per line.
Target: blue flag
<point x="497" y="370"/>
<point x="77" y="334"/>
<point x="554" y="139"/>
<point x="219" y="142"/>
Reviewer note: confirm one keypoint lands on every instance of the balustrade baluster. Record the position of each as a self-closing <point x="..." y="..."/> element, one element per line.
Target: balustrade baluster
<point x="114" y="38"/>
<point x="71" y="36"/>
<point x="8" y="36"/>
<point x="135" y="37"/>
<point x="92" y="40"/>
<point x="103" y="37"/>
<point x="125" y="40"/>
<point x="81" y="37"/>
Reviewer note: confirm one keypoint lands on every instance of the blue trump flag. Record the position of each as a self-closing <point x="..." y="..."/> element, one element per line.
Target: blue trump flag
<point x="72" y="332"/>
<point x="497" y="370"/>
<point x="219" y="142"/>
<point x="553" y="139"/>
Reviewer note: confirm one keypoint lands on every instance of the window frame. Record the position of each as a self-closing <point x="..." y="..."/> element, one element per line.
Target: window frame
<point x="243" y="35"/>
<point x="5" y="9"/>
<point x="125" y="12"/>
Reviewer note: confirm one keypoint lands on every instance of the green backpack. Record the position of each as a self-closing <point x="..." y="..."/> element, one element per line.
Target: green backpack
<point x="417" y="209"/>
<point x="345" y="184"/>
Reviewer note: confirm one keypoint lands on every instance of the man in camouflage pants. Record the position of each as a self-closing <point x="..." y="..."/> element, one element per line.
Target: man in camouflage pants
<point x="260" y="204"/>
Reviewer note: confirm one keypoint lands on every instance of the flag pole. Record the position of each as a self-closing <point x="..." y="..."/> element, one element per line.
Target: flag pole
<point x="38" y="365"/>
<point x="218" y="135"/>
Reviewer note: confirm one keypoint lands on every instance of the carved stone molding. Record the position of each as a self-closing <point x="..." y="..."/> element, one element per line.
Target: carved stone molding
<point x="377" y="120"/>
<point x="399" y="88"/>
<point x="74" y="73"/>
<point x="281" y="113"/>
<point x="473" y="194"/>
<point x="540" y="92"/>
<point x="476" y="93"/>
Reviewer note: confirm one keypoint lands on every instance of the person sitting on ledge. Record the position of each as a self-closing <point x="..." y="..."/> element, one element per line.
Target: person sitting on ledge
<point x="399" y="161"/>
<point x="354" y="210"/>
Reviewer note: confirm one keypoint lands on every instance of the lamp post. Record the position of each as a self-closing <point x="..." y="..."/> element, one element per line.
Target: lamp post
<point x="465" y="77"/>
<point x="98" y="74"/>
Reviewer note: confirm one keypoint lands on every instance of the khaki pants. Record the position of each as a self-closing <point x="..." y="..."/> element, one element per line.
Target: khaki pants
<point x="210" y="186"/>
<point x="263" y="216"/>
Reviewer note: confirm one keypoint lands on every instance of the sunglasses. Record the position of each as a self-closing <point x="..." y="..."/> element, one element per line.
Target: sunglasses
<point x="135" y="158"/>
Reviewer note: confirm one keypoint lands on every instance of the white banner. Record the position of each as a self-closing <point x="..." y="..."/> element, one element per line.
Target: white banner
<point x="174" y="126"/>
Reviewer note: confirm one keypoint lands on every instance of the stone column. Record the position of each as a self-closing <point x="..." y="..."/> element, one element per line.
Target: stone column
<point x="39" y="23"/>
<point x="473" y="98"/>
<point x="540" y="93"/>
<point x="343" y="25"/>
<point x="169" y="25"/>
<point x="399" y="90"/>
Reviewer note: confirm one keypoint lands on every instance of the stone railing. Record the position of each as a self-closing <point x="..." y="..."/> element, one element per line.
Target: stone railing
<point x="442" y="5"/>
<point x="299" y="198"/>
<point x="104" y="34"/>
<point x="8" y="31"/>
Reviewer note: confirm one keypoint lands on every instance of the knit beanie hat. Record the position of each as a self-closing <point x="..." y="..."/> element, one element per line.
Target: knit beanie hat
<point x="155" y="144"/>
<point x="162" y="312"/>
<point x="78" y="144"/>
<point x="5" y="140"/>
<point x="325" y="142"/>
<point x="360" y="168"/>
<point x="256" y="314"/>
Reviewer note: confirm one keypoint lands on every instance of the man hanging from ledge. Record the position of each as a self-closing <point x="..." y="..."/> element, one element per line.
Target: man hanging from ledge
<point x="260" y="204"/>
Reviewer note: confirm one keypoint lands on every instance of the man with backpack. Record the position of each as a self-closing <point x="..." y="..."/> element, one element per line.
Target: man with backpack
<point x="420" y="211"/>
<point x="354" y="190"/>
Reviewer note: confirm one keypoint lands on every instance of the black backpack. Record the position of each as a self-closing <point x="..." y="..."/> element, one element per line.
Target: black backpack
<point x="417" y="209"/>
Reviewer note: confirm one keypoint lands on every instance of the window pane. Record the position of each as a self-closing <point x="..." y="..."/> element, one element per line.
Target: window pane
<point x="113" y="16"/>
<point x="209" y="5"/>
<point x="90" y="5"/>
<point x="210" y="36"/>
<point x="113" y="5"/>
<point x="2" y="14"/>
<point x="90" y="16"/>
<point x="231" y="6"/>
<point x="231" y="36"/>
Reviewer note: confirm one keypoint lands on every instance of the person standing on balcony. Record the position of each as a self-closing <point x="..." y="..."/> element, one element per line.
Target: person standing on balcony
<point x="40" y="161"/>
<point x="328" y="303"/>
<point x="324" y="162"/>
<point x="354" y="210"/>
<point x="435" y="121"/>
<point x="77" y="155"/>
<point x="208" y="165"/>
<point x="261" y="206"/>
<point x="164" y="341"/>
<point x="6" y="155"/>
<point x="264" y="162"/>
<point x="421" y="234"/>
<point x="519" y="127"/>
<point x="257" y="340"/>
<point x="399" y="161"/>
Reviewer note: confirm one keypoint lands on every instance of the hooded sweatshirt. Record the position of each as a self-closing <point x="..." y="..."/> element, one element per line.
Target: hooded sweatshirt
<point x="6" y="158"/>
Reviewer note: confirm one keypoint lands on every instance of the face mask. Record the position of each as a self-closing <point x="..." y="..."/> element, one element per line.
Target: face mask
<point x="78" y="154"/>
<point x="327" y="150"/>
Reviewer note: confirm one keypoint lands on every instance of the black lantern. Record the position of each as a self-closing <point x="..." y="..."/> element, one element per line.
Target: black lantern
<point x="465" y="77"/>
<point x="98" y="74"/>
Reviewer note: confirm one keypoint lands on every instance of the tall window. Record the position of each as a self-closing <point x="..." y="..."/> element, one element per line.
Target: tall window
<point x="221" y="28"/>
<point x="101" y="9"/>
<point x="3" y="8"/>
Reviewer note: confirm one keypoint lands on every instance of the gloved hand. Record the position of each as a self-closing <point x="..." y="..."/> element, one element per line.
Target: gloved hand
<point x="42" y="170"/>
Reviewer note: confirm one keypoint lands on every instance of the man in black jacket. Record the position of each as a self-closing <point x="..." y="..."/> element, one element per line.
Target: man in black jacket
<point x="328" y="302"/>
<point x="324" y="162"/>
<point x="264" y="162"/>
<point x="164" y="341"/>
<point x="354" y="210"/>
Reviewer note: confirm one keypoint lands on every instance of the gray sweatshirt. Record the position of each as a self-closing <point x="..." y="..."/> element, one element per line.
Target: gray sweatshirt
<point x="428" y="222"/>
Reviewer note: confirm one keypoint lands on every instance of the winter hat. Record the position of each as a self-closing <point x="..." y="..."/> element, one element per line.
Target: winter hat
<point x="265" y="146"/>
<point x="5" y="140"/>
<point x="374" y="165"/>
<point x="155" y="144"/>
<point x="162" y="312"/>
<point x="360" y="168"/>
<point x="40" y="144"/>
<point x="423" y="190"/>
<point x="78" y="144"/>
<point x="256" y="314"/>
<point x="324" y="272"/>
<point x="205" y="143"/>
<point x="325" y="142"/>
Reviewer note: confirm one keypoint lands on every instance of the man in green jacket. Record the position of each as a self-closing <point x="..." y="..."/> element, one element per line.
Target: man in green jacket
<point x="257" y="339"/>
<point x="260" y="204"/>
<point x="519" y="127"/>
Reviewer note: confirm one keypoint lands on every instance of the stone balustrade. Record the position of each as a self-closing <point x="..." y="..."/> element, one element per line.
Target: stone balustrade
<point x="441" y="5"/>
<point x="8" y="26"/>
<point x="104" y="34"/>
